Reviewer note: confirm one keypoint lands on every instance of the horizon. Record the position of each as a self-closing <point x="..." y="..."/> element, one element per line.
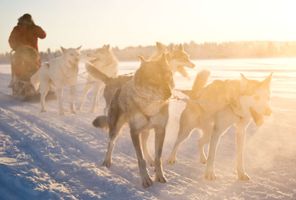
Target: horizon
<point x="131" y="23"/>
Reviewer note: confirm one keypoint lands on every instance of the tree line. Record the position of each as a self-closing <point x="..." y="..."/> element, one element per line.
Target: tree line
<point x="207" y="50"/>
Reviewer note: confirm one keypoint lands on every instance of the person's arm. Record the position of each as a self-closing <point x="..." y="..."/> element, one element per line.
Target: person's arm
<point x="13" y="38"/>
<point x="40" y="33"/>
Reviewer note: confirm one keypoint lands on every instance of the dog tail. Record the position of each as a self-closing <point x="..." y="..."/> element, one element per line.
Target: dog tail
<point x="97" y="74"/>
<point x="100" y="122"/>
<point x="200" y="81"/>
<point x="113" y="114"/>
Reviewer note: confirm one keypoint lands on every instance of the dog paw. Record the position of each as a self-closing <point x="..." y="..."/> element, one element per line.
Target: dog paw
<point x="160" y="179"/>
<point x="42" y="110"/>
<point x="150" y="162"/>
<point x="210" y="175"/>
<point x="62" y="113"/>
<point x="171" y="160"/>
<point x="203" y="160"/>
<point x="146" y="181"/>
<point x="243" y="177"/>
<point x="107" y="163"/>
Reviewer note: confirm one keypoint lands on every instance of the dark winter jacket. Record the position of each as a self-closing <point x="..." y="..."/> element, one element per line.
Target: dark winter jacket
<point x="24" y="34"/>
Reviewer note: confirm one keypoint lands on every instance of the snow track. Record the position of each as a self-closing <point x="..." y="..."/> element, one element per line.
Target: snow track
<point x="47" y="156"/>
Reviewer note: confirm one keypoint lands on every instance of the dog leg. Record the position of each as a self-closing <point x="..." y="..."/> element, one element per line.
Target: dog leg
<point x="97" y="88"/>
<point x="186" y="125"/>
<point x="205" y="138"/>
<point x="223" y="121"/>
<point x="144" y="139"/>
<point x="72" y="95"/>
<point x="108" y="156"/>
<point x="146" y="180"/>
<point x="159" y="139"/>
<point x="84" y="93"/>
<point x="44" y="88"/>
<point x="210" y="174"/>
<point x="59" y="92"/>
<point x="114" y="129"/>
<point x="240" y="141"/>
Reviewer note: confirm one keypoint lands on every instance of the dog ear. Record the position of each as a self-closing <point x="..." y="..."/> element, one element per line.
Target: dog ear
<point x="266" y="82"/>
<point x="160" y="46"/>
<point x="63" y="49"/>
<point x="142" y="59"/>
<point x="78" y="48"/>
<point x="244" y="81"/>
<point x="181" y="47"/>
<point x="243" y="77"/>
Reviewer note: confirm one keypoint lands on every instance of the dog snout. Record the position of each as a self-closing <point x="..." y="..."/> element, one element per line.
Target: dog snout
<point x="191" y="64"/>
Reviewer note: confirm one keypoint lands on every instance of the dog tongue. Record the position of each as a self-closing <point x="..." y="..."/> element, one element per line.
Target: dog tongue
<point x="258" y="119"/>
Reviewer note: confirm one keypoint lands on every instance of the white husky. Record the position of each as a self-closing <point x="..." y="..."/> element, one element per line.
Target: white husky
<point x="58" y="72"/>
<point x="104" y="61"/>
<point x="214" y="108"/>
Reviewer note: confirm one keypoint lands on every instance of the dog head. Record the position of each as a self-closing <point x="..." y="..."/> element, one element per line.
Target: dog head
<point x="72" y="56"/>
<point x="179" y="59"/>
<point x="255" y="100"/>
<point x="105" y="52"/>
<point x="156" y="74"/>
<point x="103" y="55"/>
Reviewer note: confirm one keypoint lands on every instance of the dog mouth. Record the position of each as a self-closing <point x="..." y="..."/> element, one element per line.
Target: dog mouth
<point x="191" y="65"/>
<point x="258" y="119"/>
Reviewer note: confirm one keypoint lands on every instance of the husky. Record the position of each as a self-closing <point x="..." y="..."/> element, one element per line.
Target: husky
<point x="58" y="72"/>
<point x="142" y="102"/>
<point x="104" y="61"/>
<point x="214" y="108"/>
<point x="177" y="59"/>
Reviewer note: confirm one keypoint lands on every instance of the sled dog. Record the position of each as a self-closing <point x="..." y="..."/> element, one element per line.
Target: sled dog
<point x="104" y="61"/>
<point x="214" y="108"/>
<point x="59" y="72"/>
<point x="142" y="102"/>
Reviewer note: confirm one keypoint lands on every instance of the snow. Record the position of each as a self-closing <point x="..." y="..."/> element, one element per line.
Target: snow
<point x="47" y="156"/>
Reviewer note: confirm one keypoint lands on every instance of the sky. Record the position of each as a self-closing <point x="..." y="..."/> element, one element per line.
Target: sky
<point x="122" y="23"/>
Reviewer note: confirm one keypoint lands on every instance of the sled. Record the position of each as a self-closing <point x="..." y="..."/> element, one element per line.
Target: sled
<point x="25" y="62"/>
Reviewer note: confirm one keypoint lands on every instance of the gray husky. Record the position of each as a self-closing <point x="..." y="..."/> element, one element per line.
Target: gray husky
<point x="142" y="102"/>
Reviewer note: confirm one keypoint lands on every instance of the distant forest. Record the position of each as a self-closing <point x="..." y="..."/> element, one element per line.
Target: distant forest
<point x="208" y="50"/>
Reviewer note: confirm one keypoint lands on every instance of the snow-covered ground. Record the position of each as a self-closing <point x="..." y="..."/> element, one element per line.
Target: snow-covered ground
<point x="47" y="156"/>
